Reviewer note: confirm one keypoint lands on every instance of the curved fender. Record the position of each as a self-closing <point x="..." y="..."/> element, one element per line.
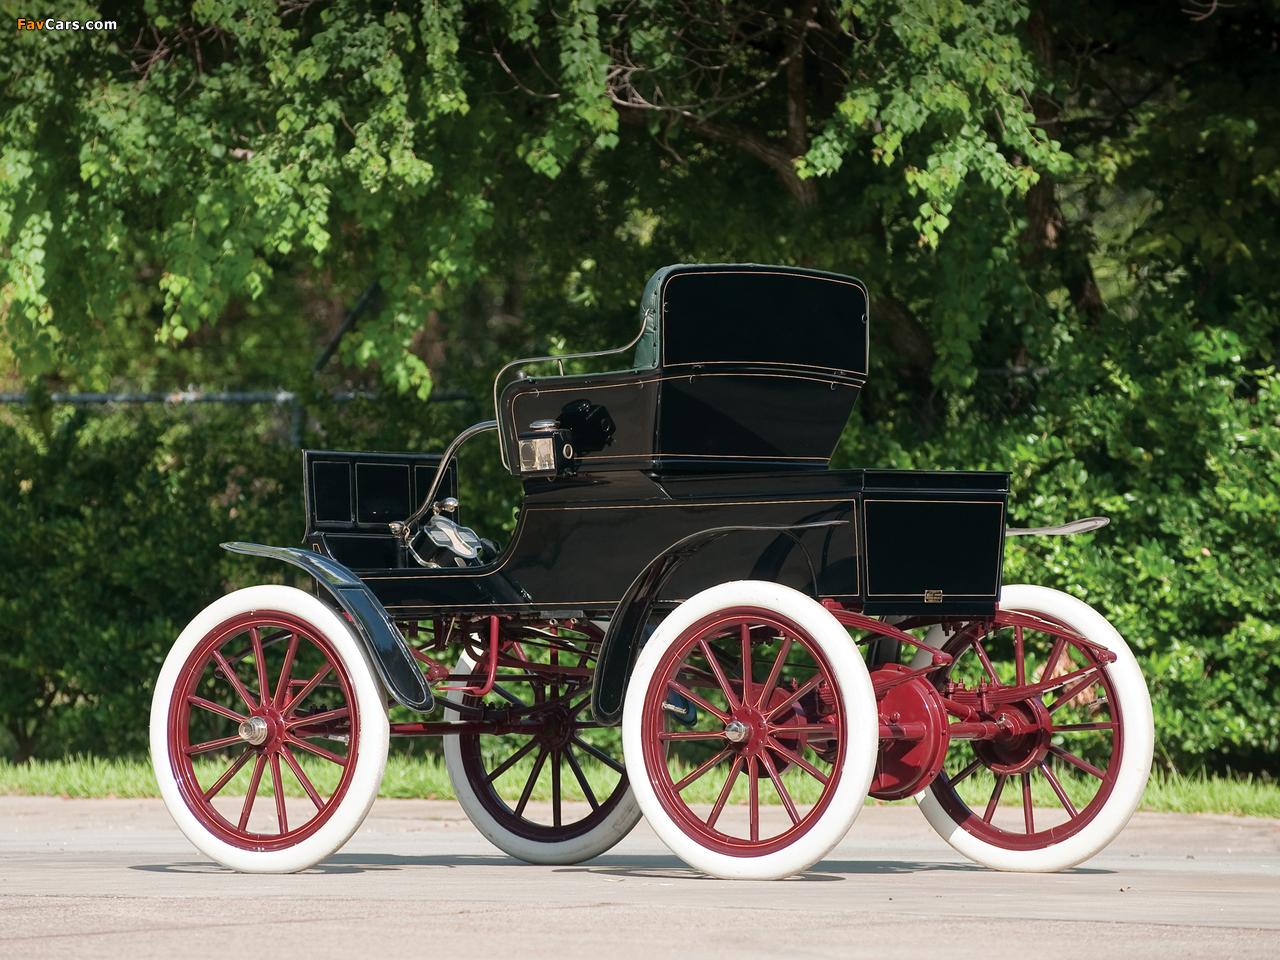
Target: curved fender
<point x="622" y="641"/>
<point x="390" y="654"/>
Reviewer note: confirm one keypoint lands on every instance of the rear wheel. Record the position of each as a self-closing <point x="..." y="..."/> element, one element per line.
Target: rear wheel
<point x="750" y="727"/>
<point x="1056" y="672"/>
<point x="558" y="793"/>
<point x="268" y="731"/>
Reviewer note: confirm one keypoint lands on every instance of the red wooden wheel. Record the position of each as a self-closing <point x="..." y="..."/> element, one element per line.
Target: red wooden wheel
<point x="1075" y="734"/>
<point x="753" y="716"/>
<point x="269" y="730"/>
<point x="262" y="692"/>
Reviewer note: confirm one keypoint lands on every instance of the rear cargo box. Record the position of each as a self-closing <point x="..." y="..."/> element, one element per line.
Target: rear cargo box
<point x="934" y="541"/>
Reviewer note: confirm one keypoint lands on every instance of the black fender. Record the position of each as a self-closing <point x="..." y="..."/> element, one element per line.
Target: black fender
<point x="623" y="640"/>
<point x="387" y="648"/>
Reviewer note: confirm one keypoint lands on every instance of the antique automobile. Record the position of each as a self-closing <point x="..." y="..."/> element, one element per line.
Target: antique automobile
<point x="695" y="619"/>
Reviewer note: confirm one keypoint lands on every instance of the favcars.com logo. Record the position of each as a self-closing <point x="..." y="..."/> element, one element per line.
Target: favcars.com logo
<point x="49" y="23"/>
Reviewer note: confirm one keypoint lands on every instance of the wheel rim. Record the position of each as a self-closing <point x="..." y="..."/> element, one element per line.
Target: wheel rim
<point x="266" y="743"/>
<point x="743" y="738"/>
<point x="1065" y="757"/>
<point x="545" y="677"/>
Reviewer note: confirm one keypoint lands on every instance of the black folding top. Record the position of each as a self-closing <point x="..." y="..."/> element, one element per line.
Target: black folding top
<point x="740" y="367"/>
<point x="744" y="313"/>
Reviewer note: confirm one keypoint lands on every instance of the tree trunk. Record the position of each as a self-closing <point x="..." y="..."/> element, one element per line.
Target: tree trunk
<point x="1046" y="232"/>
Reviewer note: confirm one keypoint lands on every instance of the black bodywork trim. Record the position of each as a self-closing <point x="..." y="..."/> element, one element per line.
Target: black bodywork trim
<point x="390" y="654"/>
<point x="622" y="641"/>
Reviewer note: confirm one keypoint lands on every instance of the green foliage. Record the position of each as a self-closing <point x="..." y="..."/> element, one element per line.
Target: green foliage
<point x="110" y="528"/>
<point x="1065" y="212"/>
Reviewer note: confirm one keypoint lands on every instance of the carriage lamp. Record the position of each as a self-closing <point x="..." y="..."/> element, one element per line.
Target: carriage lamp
<point x="546" y="450"/>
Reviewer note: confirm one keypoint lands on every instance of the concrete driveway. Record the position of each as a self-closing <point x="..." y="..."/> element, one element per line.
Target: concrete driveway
<point x="114" y="878"/>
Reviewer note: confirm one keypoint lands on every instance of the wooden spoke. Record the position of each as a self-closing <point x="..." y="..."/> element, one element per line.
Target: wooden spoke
<point x="229" y="672"/>
<point x="688" y="694"/>
<point x="286" y="672"/>
<point x="753" y="790"/>
<point x="1027" y="816"/>
<point x="798" y="760"/>
<point x="197" y="748"/>
<point x="277" y="784"/>
<point x="1076" y="762"/>
<point x="556" y="819"/>
<point x="317" y="751"/>
<point x="775" y="671"/>
<point x="691" y="735"/>
<point x="725" y="687"/>
<point x="703" y="768"/>
<point x="580" y="777"/>
<point x="803" y="728"/>
<point x="512" y="760"/>
<point x="783" y="795"/>
<point x="995" y="798"/>
<point x="1086" y="681"/>
<point x="318" y="717"/>
<point x="725" y="791"/>
<point x="744" y="636"/>
<point x="303" y="779"/>
<point x="809" y="684"/>
<point x="307" y="688"/>
<point x="231" y="771"/>
<point x="600" y="755"/>
<point x="260" y="663"/>
<point x="966" y="772"/>
<point x="254" y="780"/>
<point x="981" y="651"/>
<point x="531" y="782"/>
<point x="217" y="708"/>
<point x="1057" y="789"/>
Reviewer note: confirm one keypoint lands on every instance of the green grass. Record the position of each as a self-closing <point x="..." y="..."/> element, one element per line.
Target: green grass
<point x="1243" y="797"/>
<point x="84" y="777"/>
<point x="425" y="777"/>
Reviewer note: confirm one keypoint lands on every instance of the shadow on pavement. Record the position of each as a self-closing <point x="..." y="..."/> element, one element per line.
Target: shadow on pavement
<point x="645" y="867"/>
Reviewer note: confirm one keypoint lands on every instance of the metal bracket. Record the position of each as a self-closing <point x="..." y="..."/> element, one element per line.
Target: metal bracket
<point x="390" y="653"/>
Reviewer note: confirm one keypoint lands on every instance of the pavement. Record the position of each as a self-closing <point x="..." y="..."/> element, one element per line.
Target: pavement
<point x="115" y="879"/>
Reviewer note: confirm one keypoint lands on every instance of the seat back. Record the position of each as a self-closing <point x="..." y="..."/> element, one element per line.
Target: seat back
<point x="740" y="367"/>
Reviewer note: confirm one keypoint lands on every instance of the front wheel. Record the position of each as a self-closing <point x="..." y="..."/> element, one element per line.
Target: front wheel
<point x="750" y="731"/>
<point x="1055" y="670"/>
<point x="269" y="731"/>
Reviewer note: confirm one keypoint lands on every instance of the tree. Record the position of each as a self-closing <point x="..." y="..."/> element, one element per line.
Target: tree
<point x="1065" y="214"/>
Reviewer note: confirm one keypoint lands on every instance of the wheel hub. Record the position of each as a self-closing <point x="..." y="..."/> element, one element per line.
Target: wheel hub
<point x="905" y="767"/>
<point x="1024" y="749"/>
<point x="748" y="728"/>
<point x="255" y="731"/>
<point x="559" y="729"/>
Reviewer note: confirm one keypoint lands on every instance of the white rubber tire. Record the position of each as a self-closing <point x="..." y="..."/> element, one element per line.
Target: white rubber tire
<point x="1138" y="729"/>
<point x="371" y="755"/>
<point x="862" y="735"/>
<point x="600" y="838"/>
